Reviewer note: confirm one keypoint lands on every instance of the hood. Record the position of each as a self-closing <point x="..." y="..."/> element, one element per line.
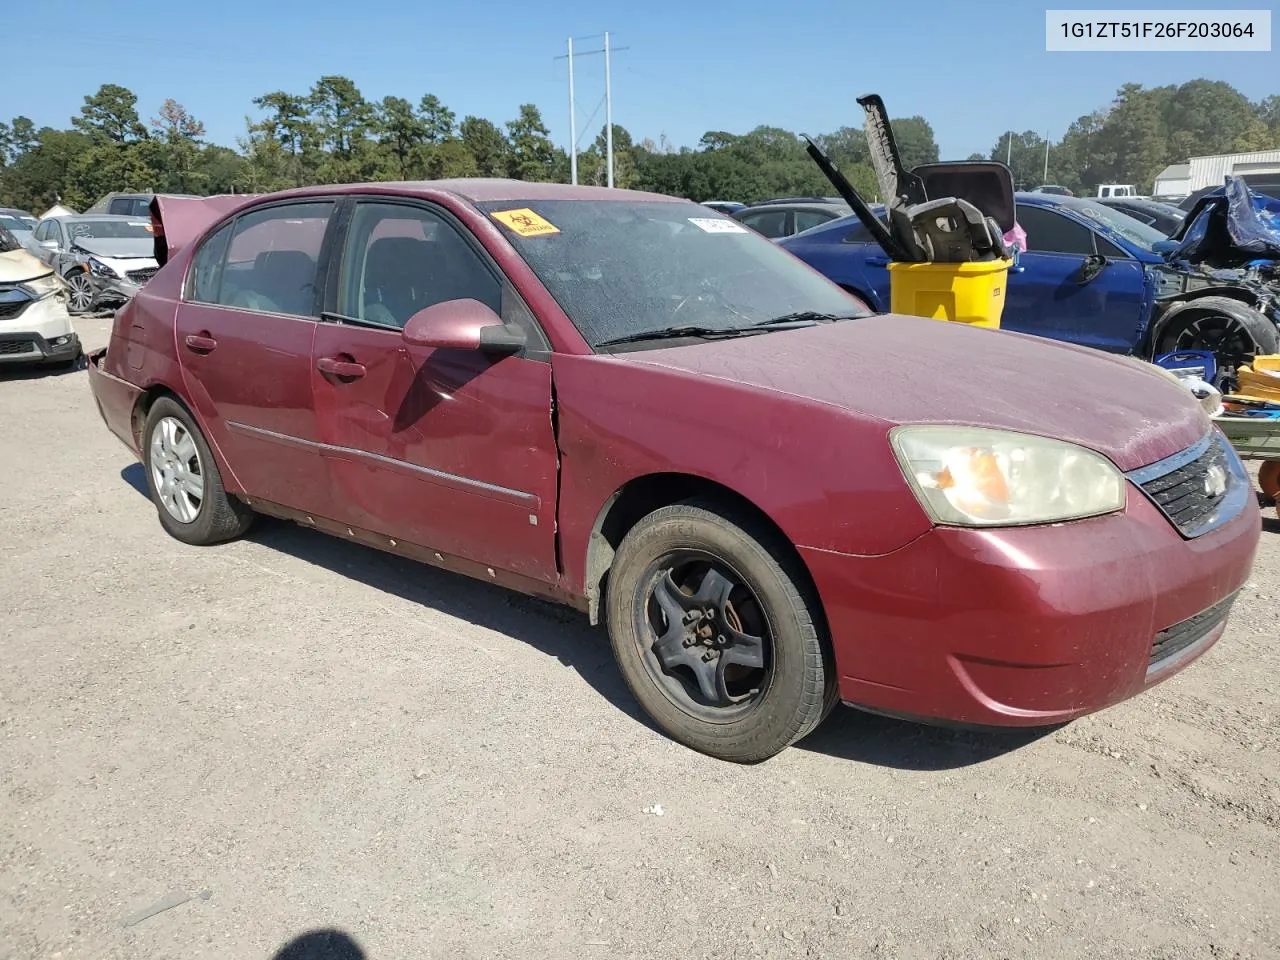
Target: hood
<point x="18" y="266"/>
<point x="901" y="369"/>
<point x="119" y="248"/>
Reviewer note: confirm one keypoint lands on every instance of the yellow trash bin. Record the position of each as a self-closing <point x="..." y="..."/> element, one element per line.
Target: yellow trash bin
<point x="962" y="292"/>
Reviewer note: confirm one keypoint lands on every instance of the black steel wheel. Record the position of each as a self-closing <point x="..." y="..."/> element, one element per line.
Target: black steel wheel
<point x="716" y="632"/>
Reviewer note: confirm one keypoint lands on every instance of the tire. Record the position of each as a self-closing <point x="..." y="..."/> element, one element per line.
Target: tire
<point x="794" y="684"/>
<point x="170" y="462"/>
<point x="81" y="298"/>
<point x="1255" y="333"/>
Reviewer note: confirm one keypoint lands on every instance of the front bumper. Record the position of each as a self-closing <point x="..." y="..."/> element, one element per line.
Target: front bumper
<point x="40" y="333"/>
<point x="107" y="291"/>
<point x="1034" y="625"/>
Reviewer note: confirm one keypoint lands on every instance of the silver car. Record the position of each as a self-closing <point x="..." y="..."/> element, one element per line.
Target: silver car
<point x="104" y="260"/>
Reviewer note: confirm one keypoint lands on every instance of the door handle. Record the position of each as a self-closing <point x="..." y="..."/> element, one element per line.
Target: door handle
<point x="343" y="369"/>
<point x="201" y="343"/>
<point x="877" y="261"/>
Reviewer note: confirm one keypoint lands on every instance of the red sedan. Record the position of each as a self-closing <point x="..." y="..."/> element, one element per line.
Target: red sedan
<point x="633" y="405"/>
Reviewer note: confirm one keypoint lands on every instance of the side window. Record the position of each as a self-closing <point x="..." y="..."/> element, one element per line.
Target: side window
<point x="1109" y="249"/>
<point x="770" y="223"/>
<point x="271" y="259"/>
<point x="809" y="218"/>
<point x="206" y="267"/>
<point x="121" y="205"/>
<point x="42" y="231"/>
<point x="859" y="234"/>
<point x="1049" y="232"/>
<point x="400" y="259"/>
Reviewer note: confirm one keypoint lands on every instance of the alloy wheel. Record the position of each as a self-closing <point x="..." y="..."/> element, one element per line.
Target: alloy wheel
<point x="176" y="470"/>
<point x="81" y="292"/>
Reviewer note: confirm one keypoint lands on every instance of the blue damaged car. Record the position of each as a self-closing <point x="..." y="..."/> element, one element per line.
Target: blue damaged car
<point x="1092" y="276"/>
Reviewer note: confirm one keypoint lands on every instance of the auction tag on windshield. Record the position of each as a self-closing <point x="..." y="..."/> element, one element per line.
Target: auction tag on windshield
<point x="525" y="222"/>
<point x="717" y="225"/>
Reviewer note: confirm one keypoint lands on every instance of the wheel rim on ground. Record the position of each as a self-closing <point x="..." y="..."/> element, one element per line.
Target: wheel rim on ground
<point x="81" y="292"/>
<point x="176" y="470"/>
<point x="703" y="636"/>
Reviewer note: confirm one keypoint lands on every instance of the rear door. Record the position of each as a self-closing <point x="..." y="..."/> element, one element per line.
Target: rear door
<point x="448" y="449"/>
<point x="244" y="333"/>
<point x="1049" y="297"/>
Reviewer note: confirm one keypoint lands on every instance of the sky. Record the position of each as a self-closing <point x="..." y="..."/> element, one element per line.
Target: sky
<point x="687" y="67"/>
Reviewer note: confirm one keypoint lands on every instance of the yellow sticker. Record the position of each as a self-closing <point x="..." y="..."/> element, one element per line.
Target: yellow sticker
<point x="525" y="222"/>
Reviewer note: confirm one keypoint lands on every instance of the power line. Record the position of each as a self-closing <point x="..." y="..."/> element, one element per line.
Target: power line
<point x="574" y="138"/>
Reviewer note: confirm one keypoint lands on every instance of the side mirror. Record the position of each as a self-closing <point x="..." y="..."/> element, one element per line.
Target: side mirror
<point x="1164" y="247"/>
<point x="462" y="325"/>
<point x="49" y="244"/>
<point x="1092" y="266"/>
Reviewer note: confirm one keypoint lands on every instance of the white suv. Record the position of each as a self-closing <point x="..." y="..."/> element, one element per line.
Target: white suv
<point x="35" y="326"/>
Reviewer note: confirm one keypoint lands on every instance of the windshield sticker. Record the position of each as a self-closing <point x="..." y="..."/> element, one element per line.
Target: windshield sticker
<point x="524" y="222"/>
<point x="144" y="226"/>
<point x="717" y="225"/>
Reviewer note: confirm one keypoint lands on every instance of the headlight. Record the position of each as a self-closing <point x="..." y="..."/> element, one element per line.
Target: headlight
<point x="100" y="269"/>
<point x="975" y="477"/>
<point x="42" y="287"/>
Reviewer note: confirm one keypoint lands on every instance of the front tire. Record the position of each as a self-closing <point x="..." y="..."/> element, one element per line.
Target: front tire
<point x="716" y="633"/>
<point x="184" y="481"/>
<point x="1231" y="330"/>
<point x="81" y="298"/>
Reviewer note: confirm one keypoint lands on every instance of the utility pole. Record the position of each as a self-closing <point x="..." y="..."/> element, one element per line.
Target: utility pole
<point x="607" y="50"/>
<point x="573" y="125"/>
<point x="608" y="110"/>
<point x="1046" y="157"/>
<point x="1009" y="161"/>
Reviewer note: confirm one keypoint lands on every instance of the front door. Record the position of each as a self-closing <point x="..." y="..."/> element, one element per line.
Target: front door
<point x="1050" y="295"/>
<point x="448" y="449"/>
<point x="244" y="333"/>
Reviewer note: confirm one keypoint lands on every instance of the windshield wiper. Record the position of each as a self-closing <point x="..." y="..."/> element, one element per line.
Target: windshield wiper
<point x="804" y="317"/>
<point x="673" y="333"/>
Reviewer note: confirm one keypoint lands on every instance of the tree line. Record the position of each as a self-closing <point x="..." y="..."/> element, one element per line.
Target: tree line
<point x="333" y="134"/>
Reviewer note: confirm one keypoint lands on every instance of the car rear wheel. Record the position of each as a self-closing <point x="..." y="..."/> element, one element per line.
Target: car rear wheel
<point x="716" y="634"/>
<point x="184" y="482"/>
<point x="81" y="299"/>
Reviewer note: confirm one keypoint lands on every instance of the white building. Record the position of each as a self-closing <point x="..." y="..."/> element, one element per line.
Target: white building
<point x="1210" y="171"/>
<point x="1174" y="181"/>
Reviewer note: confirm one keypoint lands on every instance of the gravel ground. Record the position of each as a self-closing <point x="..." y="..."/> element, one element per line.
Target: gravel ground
<point x="296" y="734"/>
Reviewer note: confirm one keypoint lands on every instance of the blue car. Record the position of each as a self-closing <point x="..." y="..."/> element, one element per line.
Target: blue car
<point x="1090" y="275"/>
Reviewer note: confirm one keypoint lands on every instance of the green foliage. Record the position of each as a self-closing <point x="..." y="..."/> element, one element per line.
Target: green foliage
<point x="332" y="134"/>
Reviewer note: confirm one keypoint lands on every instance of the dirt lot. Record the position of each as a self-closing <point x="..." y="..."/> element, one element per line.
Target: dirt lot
<point x="299" y="734"/>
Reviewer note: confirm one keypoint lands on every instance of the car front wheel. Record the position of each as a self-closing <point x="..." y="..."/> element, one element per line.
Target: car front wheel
<point x="184" y="482"/>
<point x="716" y="633"/>
<point x="81" y="292"/>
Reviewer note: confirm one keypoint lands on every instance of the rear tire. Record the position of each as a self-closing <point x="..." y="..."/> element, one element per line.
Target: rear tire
<point x="716" y="634"/>
<point x="184" y="482"/>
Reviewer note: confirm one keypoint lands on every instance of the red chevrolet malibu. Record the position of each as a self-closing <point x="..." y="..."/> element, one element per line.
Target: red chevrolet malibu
<point x="633" y="405"/>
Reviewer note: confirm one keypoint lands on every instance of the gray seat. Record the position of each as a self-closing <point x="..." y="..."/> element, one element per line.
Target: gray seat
<point x="398" y="278"/>
<point x="287" y="278"/>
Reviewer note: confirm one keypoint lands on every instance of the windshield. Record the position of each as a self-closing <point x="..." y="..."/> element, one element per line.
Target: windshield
<point x="109" y="229"/>
<point x="621" y="268"/>
<point x="1135" y="231"/>
<point x="16" y="224"/>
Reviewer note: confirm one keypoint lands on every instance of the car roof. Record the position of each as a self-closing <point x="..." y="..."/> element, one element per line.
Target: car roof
<point x="481" y="190"/>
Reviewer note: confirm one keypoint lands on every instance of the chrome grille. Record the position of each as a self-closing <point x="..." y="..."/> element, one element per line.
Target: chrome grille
<point x="143" y="275"/>
<point x="1198" y="489"/>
